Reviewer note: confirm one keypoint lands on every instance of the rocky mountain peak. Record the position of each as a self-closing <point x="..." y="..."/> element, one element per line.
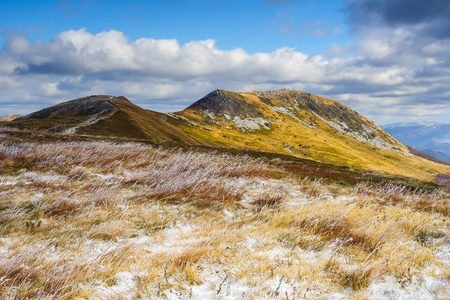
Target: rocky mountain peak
<point x="86" y="106"/>
<point x="221" y="102"/>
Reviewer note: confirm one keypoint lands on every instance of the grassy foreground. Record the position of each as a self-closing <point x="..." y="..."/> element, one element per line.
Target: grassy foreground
<point x="104" y="220"/>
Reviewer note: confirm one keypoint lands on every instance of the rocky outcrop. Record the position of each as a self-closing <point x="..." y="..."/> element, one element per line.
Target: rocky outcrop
<point x="335" y="114"/>
<point x="220" y="102"/>
<point x="82" y="107"/>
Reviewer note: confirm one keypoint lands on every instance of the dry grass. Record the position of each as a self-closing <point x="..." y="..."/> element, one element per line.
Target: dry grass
<point x="271" y="198"/>
<point x="398" y="195"/>
<point x="110" y="221"/>
<point x="360" y="277"/>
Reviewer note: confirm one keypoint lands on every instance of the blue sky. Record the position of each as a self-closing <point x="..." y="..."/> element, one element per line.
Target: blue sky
<point x="389" y="60"/>
<point x="255" y="26"/>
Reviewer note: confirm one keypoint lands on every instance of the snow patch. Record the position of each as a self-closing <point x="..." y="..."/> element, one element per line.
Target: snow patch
<point x="388" y="287"/>
<point x="251" y="124"/>
<point x="122" y="288"/>
<point x="443" y="253"/>
<point x="289" y="111"/>
<point x="360" y="136"/>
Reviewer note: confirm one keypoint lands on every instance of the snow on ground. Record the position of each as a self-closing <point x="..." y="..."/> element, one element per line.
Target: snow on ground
<point x="289" y="111"/>
<point x="426" y="288"/>
<point x="219" y="281"/>
<point x="443" y="252"/>
<point x="123" y="287"/>
<point x="251" y="124"/>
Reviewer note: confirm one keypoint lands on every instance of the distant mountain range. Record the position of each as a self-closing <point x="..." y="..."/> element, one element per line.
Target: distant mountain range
<point x="430" y="138"/>
<point x="281" y="121"/>
<point x="408" y="124"/>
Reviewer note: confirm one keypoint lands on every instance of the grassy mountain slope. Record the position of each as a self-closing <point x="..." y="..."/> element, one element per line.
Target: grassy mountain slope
<point x="282" y="121"/>
<point x="9" y="117"/>
<point x="304" y="125"/>
<point x="105" y="116"/>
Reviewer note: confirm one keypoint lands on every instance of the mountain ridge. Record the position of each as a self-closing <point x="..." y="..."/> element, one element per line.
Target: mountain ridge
<point x="103" y="115"/>
<point x="225" y="104"/>
<point x="9" y="117"/>
<point x="430" y="138"/>
<point x="282" y="121"/>
<point x="300" y="124"/>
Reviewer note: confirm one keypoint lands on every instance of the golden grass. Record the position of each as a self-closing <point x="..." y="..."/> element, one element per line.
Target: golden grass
<point x="321" y="143"/>
<point x="76" y="225"/>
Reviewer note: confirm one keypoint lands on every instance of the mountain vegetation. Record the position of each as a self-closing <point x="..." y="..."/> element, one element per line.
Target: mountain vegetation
<point x="261" y="195"/>
<point x="87" y="217"/>
<point x="303" y="125"/>
<point x="279" y="121"/>
<point x="9" y="117"/>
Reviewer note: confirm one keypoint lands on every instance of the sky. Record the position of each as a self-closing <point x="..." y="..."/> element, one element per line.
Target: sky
<point x="387" y="59"/>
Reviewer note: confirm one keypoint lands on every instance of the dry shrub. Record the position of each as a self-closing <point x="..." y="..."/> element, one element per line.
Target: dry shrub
<point x="403" y="196"/>
<point x="432" y="204"/>
<point x="442" y="179"/>
<point x="189" y="257"/>
<point x="40" y="272"/>
<point x="349" y="225"/>
<point x="336" y="226"/>
<point x="61" y="208"/>
<point x="359" y="277"/>
<point x="217" y="196"/>
<point x="271" y="198"/>
<point x="78" y="173"/>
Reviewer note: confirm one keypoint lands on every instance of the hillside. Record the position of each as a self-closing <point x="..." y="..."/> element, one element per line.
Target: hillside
<point x="118" y="220"/>
<point x="283" y="121"/>
<point x="304" y="125"/>
<point x="9" y="117"/>
<point x="105" y="116"/>
<point x="95" y="204"/>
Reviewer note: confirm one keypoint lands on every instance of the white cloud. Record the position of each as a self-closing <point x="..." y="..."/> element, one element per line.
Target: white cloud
<point x="383" y="69"/>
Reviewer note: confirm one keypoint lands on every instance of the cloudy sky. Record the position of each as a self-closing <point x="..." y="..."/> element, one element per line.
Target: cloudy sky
<point x="387" y="59"/>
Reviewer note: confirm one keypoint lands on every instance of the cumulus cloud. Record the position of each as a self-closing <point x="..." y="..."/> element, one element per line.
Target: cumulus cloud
<point x="410" y="38"/>
<point x="394" y="71"/>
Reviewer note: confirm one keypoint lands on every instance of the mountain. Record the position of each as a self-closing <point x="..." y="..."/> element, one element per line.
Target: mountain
<point x="300" y="124"/>
<point x="9" y="117"/>
<point x="106" y="116"/>
<point x="432" y="139"/>
<point x="407" y="124"/>
<point x="285" y="122"/>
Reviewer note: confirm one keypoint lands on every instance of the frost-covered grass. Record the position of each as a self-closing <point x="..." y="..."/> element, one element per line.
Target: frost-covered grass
<point x="97" y="220"/>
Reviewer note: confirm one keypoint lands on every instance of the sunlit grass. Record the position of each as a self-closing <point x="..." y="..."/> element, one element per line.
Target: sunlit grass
<point x="104" y="220"/>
